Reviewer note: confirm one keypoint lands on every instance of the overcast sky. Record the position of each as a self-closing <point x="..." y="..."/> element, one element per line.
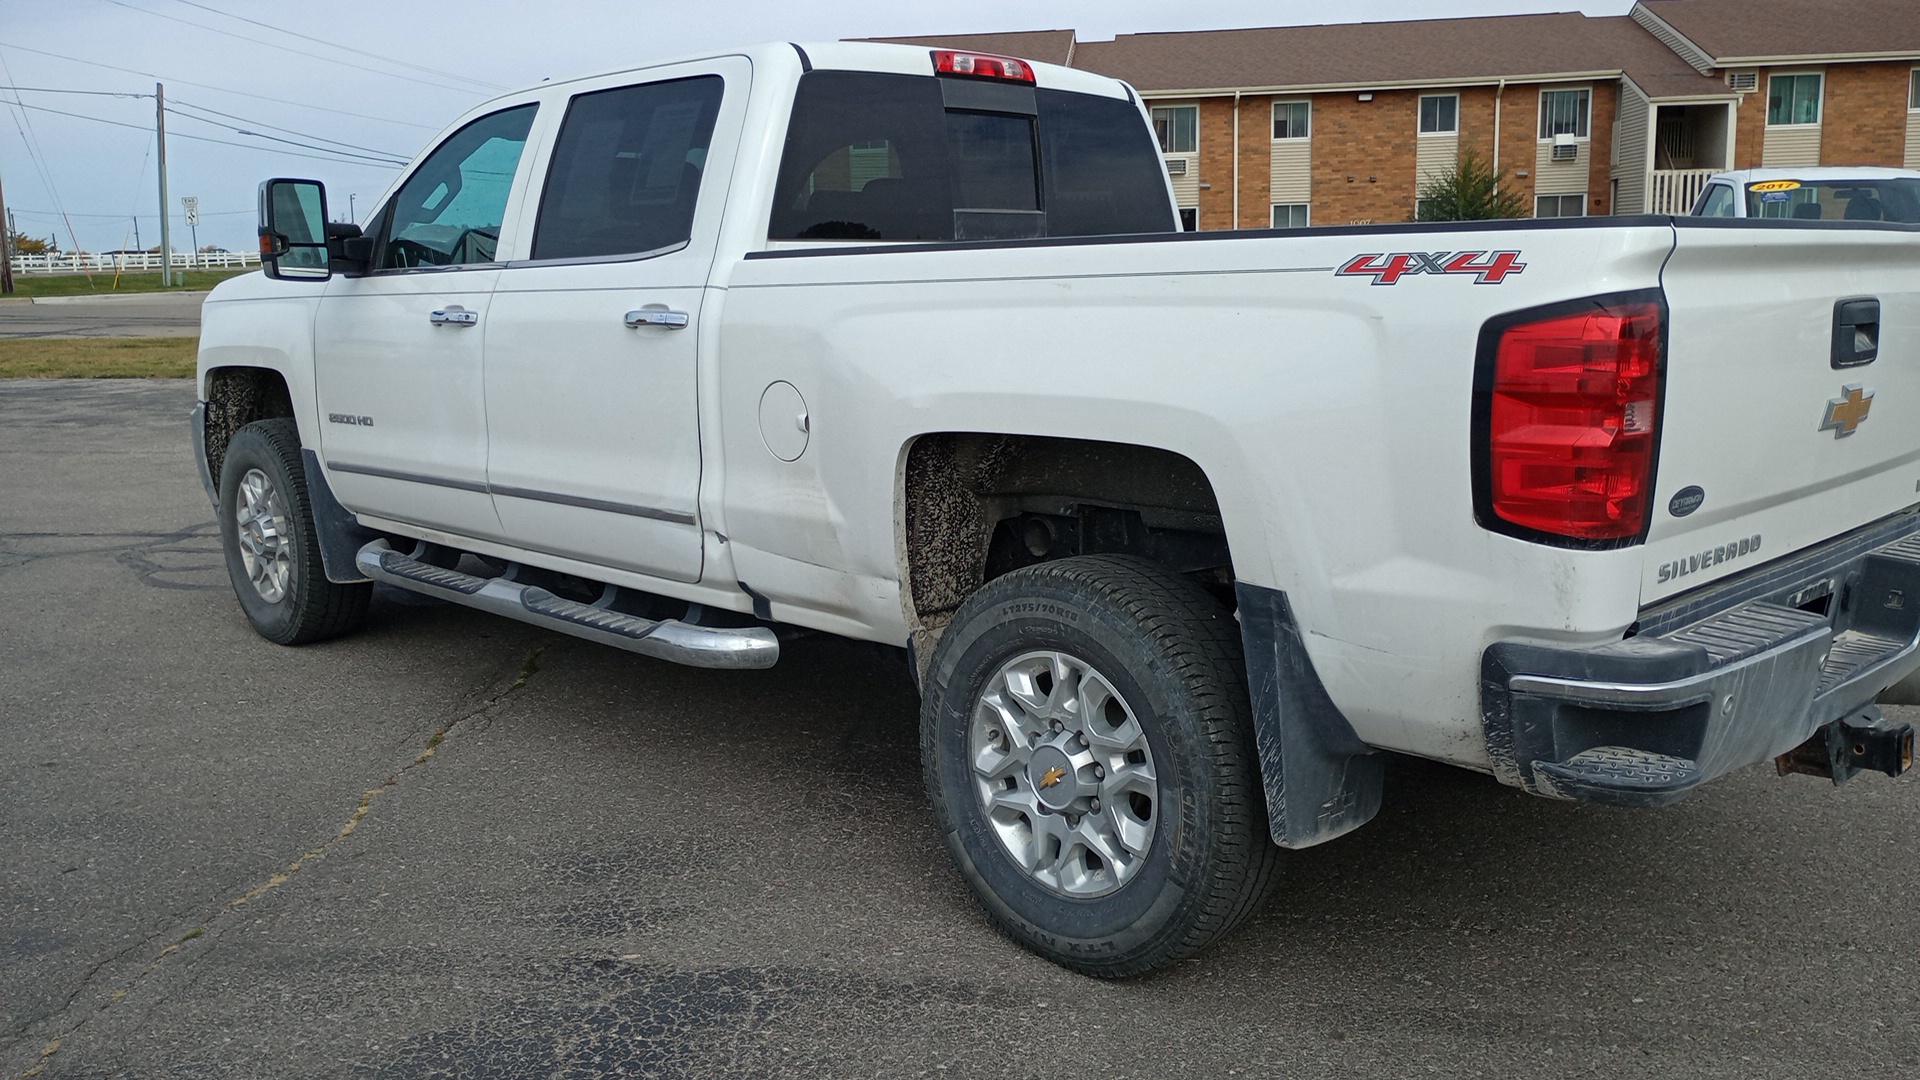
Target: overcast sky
<point x="271" y="82"/>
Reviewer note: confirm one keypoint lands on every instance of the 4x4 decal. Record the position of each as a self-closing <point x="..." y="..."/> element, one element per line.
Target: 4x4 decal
<point x="1487" y="267"/>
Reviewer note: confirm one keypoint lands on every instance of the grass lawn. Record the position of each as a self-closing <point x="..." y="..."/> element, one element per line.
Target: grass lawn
<point x="98" y="358"/>
<point x="103" y="283"/>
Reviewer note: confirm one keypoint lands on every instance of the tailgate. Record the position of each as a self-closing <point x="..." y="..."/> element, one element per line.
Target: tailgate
<point x="1766" y="446"/>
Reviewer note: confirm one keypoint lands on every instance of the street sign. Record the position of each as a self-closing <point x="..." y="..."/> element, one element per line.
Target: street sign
<point x="191" y="205"/>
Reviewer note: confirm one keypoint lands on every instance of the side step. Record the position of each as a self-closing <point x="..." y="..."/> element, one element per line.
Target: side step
<point x="731" y="647"/>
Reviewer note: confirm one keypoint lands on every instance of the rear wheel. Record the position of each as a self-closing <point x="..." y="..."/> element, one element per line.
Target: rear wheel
<point x="273" y="554"/>
<point x="1088" y="750"/>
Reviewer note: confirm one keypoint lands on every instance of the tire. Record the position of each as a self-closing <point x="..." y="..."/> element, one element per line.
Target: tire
<point x="273" y="554"/>
<point x="1133" y="834"/>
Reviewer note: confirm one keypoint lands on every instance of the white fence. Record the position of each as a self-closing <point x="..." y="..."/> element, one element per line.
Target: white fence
<point x="1674" y="191"/>
<point x="109" y="262"/>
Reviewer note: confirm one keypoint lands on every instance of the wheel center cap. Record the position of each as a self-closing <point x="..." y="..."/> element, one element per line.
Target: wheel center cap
<point x="1052" y="776"/>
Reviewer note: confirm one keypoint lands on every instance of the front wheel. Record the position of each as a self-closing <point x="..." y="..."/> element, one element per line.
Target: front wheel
<point x="1088" y="749"/>
<point x="273" y="553"/>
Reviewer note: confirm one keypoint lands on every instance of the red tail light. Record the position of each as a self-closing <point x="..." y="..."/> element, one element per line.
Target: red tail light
<point x="1569" y="421"/>
<point x="981" y="65"/>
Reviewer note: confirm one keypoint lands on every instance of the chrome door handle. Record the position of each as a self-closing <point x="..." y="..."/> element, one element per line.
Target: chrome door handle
<point x="672" y="320"/>
<point x="454" y="315"/>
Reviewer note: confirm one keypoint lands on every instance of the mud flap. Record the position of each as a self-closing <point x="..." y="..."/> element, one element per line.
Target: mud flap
<point x="341" y="534"/>
<point x="1321" y="780"/>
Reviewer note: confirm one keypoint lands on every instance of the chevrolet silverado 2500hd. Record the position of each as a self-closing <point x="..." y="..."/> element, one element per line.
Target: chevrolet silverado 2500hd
<point x="1183" y="532"/>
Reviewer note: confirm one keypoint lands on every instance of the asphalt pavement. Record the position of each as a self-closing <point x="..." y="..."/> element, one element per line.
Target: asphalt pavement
<point x="453" y="845"/>
<point x="174" y="314"/>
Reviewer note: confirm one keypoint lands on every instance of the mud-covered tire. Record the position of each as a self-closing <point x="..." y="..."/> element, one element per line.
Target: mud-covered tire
<point x="1121" y="630"/>
<point x="272" y="552"/>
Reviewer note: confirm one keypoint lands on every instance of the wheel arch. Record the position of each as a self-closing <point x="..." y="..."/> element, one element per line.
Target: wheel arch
<point x="967" y="501"/>
<point x="975" y="505"/>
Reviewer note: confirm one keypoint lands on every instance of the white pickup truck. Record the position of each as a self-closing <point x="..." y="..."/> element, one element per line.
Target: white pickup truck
<point x="1183" y="532"/>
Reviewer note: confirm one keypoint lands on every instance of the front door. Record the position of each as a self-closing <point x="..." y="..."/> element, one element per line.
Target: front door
<point x="398" y="352"/>
<point x="593" y="448"/>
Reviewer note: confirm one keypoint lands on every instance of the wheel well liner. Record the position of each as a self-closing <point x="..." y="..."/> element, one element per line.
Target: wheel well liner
<point x="236" y="397"/>
<point x="961" y="487"/>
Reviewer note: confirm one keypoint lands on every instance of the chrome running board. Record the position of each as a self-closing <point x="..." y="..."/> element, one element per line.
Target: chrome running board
<point x="732" y="647"/>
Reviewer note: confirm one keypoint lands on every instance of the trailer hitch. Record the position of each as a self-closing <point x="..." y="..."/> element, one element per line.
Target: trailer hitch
<point x="1863" y="742"/>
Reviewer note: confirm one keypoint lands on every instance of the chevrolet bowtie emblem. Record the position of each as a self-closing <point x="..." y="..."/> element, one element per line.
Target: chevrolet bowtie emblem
<point x="1847" y="412"/>
<point x="1052" y="776"/>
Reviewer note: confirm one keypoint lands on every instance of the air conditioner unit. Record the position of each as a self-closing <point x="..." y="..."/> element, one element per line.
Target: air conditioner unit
<point x="1745" y="82"/>
<point x="1177" y="166"/>
<point x="1566" y="148"/>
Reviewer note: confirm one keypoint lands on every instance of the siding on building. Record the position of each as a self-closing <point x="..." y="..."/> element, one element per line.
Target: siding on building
<point x="1552" y="177"/>
<point x="1290" y="171"/>
<point x="1632" y="150"/>
<point x="1186" y="188"/>
<point x="1789" y="145"/>
<point x="1913" y="140"/>
<point x="1437" y="155"/>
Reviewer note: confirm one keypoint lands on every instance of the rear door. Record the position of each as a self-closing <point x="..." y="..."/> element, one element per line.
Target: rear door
<point x="1771" y="438"/>
<point x="592" y="356"/>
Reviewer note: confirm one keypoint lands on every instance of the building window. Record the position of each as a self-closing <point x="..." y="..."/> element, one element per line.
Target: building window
<point x="1560" y="206"/>
<point x="1563" y="112"/>
<point x="1178" y="127"/>
<point x="1189" y="219"/>
<point x="1793" y="99"/>
<point x="1440" y="114"/>
<point x="1290" y="215"/>
<point x="1290" y="119"/>
<point x="1913" y="94"/>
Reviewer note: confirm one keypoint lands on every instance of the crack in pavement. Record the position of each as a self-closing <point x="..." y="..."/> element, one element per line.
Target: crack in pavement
<point x="528" y="668"/>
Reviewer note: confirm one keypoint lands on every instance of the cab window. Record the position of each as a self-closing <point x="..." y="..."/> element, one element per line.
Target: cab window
<point x="449" y="211"/>
<point x="1717" y="202"/>
<point x="906" y="157"/>
<point x="626" y="170"/>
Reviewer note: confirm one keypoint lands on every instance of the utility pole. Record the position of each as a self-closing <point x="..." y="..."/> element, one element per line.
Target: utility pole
<point x="6" y="245"/>
<point x="160" y="135"/>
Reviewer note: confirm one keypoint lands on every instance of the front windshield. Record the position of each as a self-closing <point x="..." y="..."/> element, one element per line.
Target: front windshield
<point x="1895" y="199"/>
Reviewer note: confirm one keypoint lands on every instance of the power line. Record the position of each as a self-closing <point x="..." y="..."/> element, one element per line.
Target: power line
<point x="218" y="89"/>
<point x="384" y="159"/>
<point x="285" y="130"/>
<point x="346" y="48"/>
<point x="93" y="93"/>
<point x="334" y="157"/>
<point x="123" y="217"/>
<point x="284" y="48"/>
<point x="32" y="142"/>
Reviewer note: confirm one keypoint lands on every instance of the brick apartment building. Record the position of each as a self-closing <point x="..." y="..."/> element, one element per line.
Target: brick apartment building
<point x="1339" y="124"/>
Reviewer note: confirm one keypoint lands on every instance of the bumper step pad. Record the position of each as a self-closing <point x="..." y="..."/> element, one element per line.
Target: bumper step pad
<point x="1619" y="775"/>
<point x="736" y="647"/>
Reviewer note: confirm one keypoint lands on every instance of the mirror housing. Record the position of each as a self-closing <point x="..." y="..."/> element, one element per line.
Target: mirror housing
<point x="349" y="251"/>
<point x="293" y="230"/>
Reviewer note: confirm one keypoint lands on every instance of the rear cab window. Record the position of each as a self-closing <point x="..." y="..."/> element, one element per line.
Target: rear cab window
<point x="1894" y="199"/>
<point x="888" y="157"/>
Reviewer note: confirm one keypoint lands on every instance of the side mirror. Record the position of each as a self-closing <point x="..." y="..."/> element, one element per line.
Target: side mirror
<point x="293" y="230"/>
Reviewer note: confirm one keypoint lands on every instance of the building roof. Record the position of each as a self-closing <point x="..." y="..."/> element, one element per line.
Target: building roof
<point x="1423" y="52"/>
<point x="1731" y="31"/>
<point x="1044" y="46"/>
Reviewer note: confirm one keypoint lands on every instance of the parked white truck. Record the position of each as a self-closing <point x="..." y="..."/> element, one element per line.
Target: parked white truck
<point x="1183" y="532"/>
